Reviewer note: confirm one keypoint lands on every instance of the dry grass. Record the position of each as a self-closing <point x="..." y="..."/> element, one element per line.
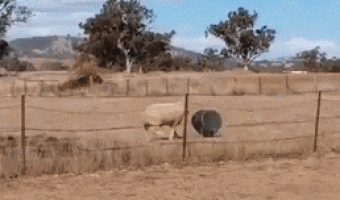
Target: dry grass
<point x="310" y="178"/>
<point x="49" y="155"/>
<point x="84" y="69"/>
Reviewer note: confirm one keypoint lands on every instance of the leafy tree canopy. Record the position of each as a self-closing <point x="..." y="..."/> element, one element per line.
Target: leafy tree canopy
<point x="10" y="14"/>
<point x="210" y="52"/>
<point x="311" y="57"/>
<point x="118" y="34"/>
<point x="240" y="37"/>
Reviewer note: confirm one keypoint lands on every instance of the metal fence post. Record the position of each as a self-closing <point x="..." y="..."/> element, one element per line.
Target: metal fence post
<point x="317" y="122"/>
<point x="23" y="144"/>
<point x="185" y="127"/>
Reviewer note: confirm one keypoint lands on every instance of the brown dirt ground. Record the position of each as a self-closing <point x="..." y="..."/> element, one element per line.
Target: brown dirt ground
<point x="312" y="178"/>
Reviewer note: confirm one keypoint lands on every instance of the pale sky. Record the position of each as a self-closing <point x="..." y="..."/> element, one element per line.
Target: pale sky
<point x="300" y="24"/>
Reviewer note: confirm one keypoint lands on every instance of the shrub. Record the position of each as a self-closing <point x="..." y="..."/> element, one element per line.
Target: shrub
<point x="82" y="81"/>
<point x="14" y="64"/>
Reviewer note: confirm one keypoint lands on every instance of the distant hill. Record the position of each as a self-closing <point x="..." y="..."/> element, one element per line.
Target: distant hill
<point x="59" y="47"/>
<point x="180" y="52"/>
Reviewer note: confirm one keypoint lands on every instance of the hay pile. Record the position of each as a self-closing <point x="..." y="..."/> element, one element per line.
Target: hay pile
<point x="82" y="72"/>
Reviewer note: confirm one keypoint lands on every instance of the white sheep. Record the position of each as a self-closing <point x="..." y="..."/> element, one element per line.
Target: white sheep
<point x="166" y="114"/>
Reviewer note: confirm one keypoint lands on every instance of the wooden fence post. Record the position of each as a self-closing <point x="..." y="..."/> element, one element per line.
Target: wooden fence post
<point x="91" y="80"/>
<point x="260" y="84"/>
<point x="185" y="127"/>
<point x="167" y="87"/>
<point x="41" y="87"/>
<point x="23" y="144"/>
<point x="317" y="122"/>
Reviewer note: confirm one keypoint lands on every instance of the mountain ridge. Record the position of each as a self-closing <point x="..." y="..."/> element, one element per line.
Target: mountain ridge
<point x="59" y="47"/>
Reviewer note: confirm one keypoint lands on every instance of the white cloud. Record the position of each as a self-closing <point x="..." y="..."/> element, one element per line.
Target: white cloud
<point x="61" y="5"/>
<point x="62" y="16"/>
<point x="46" y="19"/>
<point x="303" y="44"/>
<point x="278" y="49"/>
<point x="78" y="5"/>
<point x="56" y="23"/>
<point x="289" y="48"/>
<point x="296" y="45"/>
<point x="164" y="1"/>
<point x="39" y="31"/>
<point x="36" y="31"/>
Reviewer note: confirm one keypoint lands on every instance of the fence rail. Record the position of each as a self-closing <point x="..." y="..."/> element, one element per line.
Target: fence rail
<point x="261" y="84"/>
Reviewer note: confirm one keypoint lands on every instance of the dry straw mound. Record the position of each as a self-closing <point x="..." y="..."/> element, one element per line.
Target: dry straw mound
<point x="81" y="73"/>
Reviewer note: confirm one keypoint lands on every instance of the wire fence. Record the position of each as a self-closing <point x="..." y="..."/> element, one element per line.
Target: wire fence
<point x="23" y="128"/>
<point x="290" y="106"/>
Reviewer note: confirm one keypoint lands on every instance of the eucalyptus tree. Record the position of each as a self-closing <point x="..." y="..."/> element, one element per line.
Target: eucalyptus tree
<point x="312" y="58"/>
<point x="242" y="40"/>
<point x="10" y="14"/>
<point x="213" y="56"/>
<point x="119" y="34"/>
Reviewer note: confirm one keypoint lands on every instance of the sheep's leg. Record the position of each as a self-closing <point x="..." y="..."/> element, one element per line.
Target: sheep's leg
<point x="172" y="134"/>
<point x="147" y="137"/>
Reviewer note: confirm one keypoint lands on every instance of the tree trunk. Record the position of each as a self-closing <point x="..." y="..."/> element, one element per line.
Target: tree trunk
<point x="140" y="70"/>
<point x="246" y="64"/>
<point x="128" y="62"/>
<point x="128" y="65"/>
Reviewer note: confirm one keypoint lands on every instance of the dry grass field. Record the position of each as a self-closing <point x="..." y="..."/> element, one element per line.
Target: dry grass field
<point x="73" y="137"/>
<point x="308" y="178"/>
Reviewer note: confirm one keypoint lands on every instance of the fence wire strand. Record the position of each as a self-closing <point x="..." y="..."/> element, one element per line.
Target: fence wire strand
<point x="202" y="142"/>
<point x="272" y="123"/>
<point x="330" y="117"/>
<point x="85" y="130"/>
<point x="296" y="105"/>
<point x="251" y="141"/>
<point x="10" y="107"/>
<point x="336" y="100"/>
<point x="84" y="113"/>
<point x="115" y="148"/>
<point x="3" y="130"/>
